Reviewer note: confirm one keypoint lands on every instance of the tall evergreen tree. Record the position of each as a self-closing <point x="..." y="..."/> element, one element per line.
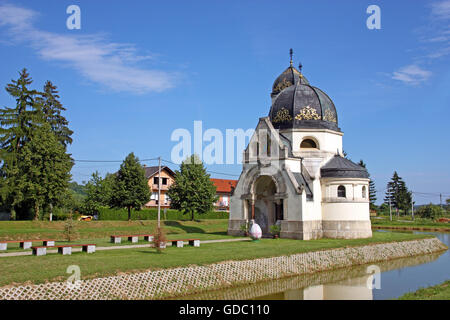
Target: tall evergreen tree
<point x="34" y="167"/>
<point x="193" y="190"/>
<point x="16" y="126"/>
<point x="52" y="110"/>
<point x="130" y="189"/>
<point x="372" y="190"/>
<point x="44" y="168"/>
<point x="398" y="194"/>
<point x="16" y="123"/>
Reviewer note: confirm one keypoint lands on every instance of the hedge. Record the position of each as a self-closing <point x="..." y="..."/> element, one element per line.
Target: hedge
<point x="152" y="214"/>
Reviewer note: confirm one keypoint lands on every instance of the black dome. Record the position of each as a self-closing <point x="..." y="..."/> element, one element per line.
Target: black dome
<point x="289" y="77"/>
<point x="339" y="167"/>
<point x="303" y="106"/>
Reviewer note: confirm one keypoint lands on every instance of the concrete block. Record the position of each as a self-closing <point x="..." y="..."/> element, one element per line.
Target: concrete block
<point x="89" y="248"/>
<point x="116" y="239"/>
<point x="178" y="244"/>
<point x="40" y="251"/>
<point x="148" y="238"/>
<point x="195" y="243"/>
<point x="49" y="243"/>
<point x="133" y="239"/>
<point x="65" y="250"/>
<point x="25" y="245"/>
<point x="3" y="245"/>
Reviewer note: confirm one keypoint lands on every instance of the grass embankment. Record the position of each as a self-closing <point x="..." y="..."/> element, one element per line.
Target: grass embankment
<point x="102" y="263"/>
<point x="12" y="230"/>
<point x="438" y="292"/>
<point x="406" y="223"/>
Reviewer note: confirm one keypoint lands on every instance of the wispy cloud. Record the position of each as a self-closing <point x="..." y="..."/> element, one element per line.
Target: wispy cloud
<point x="441" y="10"/>
<point x="435" y="44"/>
<point x="112" y="65"/>
<point x="411" y="74"/>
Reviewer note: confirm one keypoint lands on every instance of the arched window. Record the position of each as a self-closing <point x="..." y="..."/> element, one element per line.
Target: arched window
<point x="364" y="195"/>
<point x="341" y="192"/>
<point x="308" y="144"/>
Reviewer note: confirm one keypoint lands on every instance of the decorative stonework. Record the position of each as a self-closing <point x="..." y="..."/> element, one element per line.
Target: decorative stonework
<point x="307" y="113"/>
<point x="187" y="280"/>
<point x="282" y="116"/>
<point x="282" y="85"/>
<point x="329" y="116"/>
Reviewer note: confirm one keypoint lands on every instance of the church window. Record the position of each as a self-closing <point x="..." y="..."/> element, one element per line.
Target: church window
<point x="308" y="144"/>
<point x="341" y="192"/>
<point x="364" y="192"/>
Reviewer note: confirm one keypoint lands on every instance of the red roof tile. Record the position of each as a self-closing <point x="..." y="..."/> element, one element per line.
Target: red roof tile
<point x="224" y="185"/>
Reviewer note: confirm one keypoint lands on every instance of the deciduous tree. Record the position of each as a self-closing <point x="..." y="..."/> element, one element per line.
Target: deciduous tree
<point x="193" y="191"/>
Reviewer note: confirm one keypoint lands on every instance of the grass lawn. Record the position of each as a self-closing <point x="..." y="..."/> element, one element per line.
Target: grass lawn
<point x="408" y="223"/>
<point x="53" y="266"/>
<point x="12" y="230"/>
<point x="439" y="292"/>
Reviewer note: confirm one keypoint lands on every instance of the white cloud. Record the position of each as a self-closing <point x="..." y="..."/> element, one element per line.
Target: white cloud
<point x="109" y="64"/>
<point x="411" y="74"/>
<point x="441" y="10"/>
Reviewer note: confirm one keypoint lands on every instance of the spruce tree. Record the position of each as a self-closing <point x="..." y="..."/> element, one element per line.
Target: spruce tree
<point x="16" y="126"/>
<point x="52" y="110"/>
<point x="398" y="194"/>
<point x="130" y="189"/>
<point x="44" y="168"/>
<point x="34" y="167"/>
<point x="193" y="191"/>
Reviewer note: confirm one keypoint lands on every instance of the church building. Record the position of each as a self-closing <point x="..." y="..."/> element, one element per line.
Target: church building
<point x="294" y="172"/>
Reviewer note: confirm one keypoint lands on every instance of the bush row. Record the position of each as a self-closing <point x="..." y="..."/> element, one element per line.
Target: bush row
<point x="152" y="214"/>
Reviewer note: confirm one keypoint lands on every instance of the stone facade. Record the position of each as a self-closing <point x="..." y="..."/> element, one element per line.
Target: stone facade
<point x="294" y="174"/>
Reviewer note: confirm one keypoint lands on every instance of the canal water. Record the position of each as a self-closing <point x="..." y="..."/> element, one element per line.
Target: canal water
<point x="396" y="278"/>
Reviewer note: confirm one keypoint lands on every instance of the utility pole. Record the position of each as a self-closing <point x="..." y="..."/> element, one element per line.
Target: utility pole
<point x="159" y="192"/>
<point x="412" y="205"/>
<point x="440" y="199"/>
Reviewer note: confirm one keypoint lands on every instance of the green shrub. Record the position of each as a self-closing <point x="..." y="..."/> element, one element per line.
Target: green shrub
<point x="152" y="214"/>
<point x="430" y="211"/>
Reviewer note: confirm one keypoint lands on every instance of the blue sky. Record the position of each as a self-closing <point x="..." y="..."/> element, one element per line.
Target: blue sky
<point x="137" y="70"/>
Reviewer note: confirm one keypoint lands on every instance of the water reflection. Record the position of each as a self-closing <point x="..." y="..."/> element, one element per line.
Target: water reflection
<point x="347" y="284"/>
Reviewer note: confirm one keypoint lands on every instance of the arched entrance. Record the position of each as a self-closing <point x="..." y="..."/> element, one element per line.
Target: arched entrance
<point x="264" y="190"/>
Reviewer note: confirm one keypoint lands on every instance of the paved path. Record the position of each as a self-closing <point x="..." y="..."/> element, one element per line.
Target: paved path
<point x="132" y="246"/>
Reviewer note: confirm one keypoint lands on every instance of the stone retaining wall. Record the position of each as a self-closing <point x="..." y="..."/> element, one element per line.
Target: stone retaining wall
<point x="187" y="280"/>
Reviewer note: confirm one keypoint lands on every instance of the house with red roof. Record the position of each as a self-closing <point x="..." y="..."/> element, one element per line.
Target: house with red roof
<point x="224" y="188"/>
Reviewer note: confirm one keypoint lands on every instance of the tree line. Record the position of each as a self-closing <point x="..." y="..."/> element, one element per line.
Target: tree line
<point x="35" y="165"/>
<point x="193" y="191"/>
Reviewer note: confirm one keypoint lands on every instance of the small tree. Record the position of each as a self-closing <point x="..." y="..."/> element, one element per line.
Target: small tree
<point x="159" y="239"/>
<point x="130" y="189"/>
<point x="193" y="190"/>
<point x="70" y="228"/>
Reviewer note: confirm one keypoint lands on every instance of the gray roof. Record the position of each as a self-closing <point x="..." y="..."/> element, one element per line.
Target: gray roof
<point x="303" y="106"/>
<point x="305" y="180"/>
<point x="151" y="171"/>
<point x="339" y="167"/>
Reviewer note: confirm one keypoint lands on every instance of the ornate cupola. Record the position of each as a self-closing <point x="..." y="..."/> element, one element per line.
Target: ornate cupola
<point x="297" y="104"/>
<point x="289" y="77"/>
